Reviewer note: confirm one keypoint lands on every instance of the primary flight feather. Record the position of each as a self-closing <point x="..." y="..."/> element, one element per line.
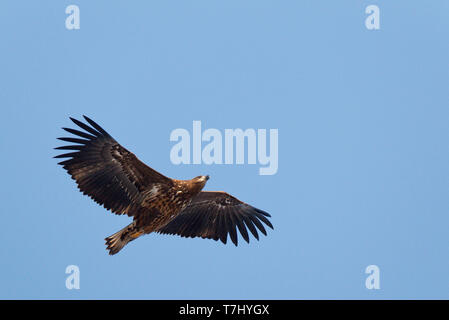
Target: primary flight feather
<point x="113" y="177"/>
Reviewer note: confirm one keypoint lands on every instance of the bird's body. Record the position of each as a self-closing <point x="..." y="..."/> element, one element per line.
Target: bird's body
<point x="114" y="177"/>
<point x="158" y="211"/>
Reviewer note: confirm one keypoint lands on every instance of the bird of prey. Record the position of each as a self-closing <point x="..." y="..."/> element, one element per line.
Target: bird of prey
<point x="116" y="179"/>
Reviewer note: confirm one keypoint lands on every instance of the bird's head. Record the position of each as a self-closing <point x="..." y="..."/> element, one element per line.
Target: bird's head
<point x="201" y="180"/>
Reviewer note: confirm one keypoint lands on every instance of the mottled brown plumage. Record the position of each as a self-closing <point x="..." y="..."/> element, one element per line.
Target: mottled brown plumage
<point x="114" y="178"/>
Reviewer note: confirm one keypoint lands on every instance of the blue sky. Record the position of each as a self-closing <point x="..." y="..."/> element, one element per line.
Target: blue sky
<point x="363" y="144"/>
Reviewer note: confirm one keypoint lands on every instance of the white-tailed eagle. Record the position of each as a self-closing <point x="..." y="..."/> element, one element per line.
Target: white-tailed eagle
<point x="113" y="177"/>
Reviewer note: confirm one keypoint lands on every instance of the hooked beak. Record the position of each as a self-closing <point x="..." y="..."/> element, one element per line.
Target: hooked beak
<point x="207" y="177"/>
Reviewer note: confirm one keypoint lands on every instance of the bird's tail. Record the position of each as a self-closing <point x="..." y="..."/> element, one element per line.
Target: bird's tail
<point x="118" y="240"/>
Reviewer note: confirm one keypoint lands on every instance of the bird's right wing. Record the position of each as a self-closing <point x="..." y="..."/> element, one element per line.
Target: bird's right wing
<point x="214" y="215"/>
<point x="107" y="172"/>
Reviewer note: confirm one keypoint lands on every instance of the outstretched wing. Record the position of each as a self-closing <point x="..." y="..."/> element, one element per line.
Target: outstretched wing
<point x="105" y="171"/>
<point x="214" y="215"/>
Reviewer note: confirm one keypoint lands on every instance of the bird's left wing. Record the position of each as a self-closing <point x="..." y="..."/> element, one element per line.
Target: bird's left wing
<point x="214" y="215"/>
<point x="107" y="172"/>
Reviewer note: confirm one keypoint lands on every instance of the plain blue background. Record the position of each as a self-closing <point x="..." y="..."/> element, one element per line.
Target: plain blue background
<point x="363" y="144"/>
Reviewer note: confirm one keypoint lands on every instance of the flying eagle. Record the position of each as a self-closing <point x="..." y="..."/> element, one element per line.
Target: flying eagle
<point x="113" y="177"/>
